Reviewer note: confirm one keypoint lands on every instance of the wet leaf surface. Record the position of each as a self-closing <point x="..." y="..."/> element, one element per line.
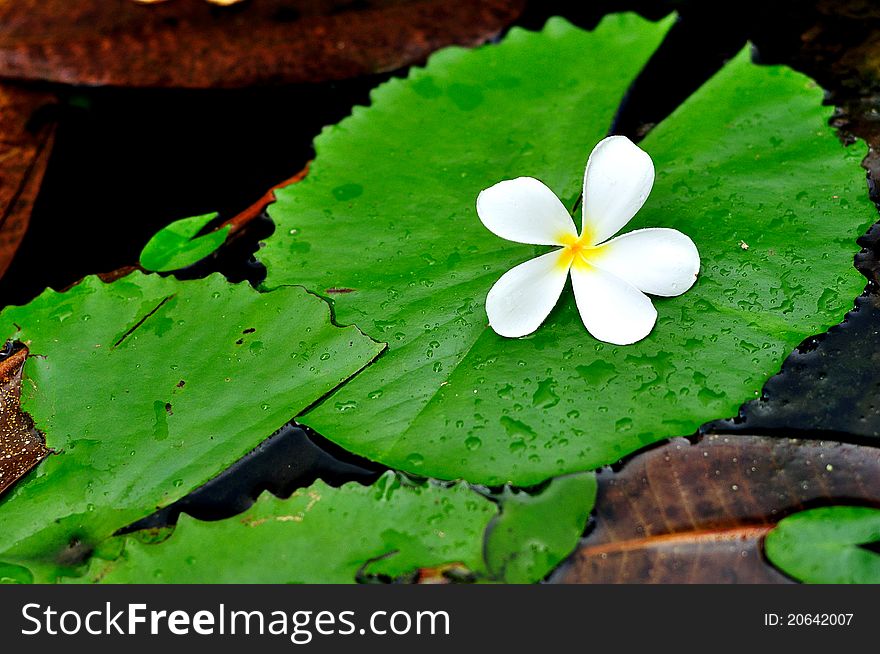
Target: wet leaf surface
<point x="827" y="387"/>
<point x="698" y="512"/>
<point x="535" y="531"/>
<point x="748" y="159"/>
<point x="147" y="388"/>
<point x="194" y="45"/>
<point x="395" y="529"/>
<point x="21" y="445"/>
<point x="25" y="145"/>
<point x="828" y="545"/>
<point x="391" y="528"/>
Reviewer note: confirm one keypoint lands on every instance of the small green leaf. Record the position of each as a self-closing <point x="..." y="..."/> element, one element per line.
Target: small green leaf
<point x="175" y="246"/>
<point x="319" y="535"/>
<point x="148" y="387"/>
<point x="534" y="532"/>
<point x="827" y="545"/>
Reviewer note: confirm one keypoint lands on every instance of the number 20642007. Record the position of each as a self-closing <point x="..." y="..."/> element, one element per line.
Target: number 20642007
<point x="808" y="619"/>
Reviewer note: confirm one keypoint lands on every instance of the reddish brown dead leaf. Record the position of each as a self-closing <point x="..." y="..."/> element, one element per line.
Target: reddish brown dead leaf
<point x="21" y="445"/>
<point x="191" y="44"/>
<point x="24" y="154"/>
<point x="697" y="513"/>
<point x="222" y="3"/>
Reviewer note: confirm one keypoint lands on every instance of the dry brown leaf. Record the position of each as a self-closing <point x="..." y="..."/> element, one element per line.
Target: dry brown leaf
<point x="24" y="153"/>
<point x="698" y="513"/>
<point x="194" y="45"/>
<point x="21" y="445"/>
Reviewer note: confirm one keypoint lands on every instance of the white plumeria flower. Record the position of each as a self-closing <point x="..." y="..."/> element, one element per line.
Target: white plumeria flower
<point x="609" y="277"/>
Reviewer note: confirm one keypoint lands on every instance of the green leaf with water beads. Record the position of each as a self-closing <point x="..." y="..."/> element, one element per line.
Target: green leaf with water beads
<point x="392" y="529"/>
<point x="535" y="531"/>
<point x="176" y="246"/>
<point x="747" y="167"/>
<point x="319" y="535"/>
<point x="146" y="388"/>
<point x="828" y="545"/>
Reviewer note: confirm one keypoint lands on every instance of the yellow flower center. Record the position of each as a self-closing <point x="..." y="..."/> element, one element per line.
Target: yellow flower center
<point x="577" y="251"/>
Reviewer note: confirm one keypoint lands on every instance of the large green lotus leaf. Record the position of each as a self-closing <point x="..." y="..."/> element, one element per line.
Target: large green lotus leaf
<point x="828" y="545"/>
<point x="388" y="211"/>
<point x="319" y="535"/>
<point x="146" y="388"/>
<point x="747" y="167"/>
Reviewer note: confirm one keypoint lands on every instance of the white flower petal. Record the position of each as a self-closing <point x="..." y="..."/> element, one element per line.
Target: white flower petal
<point x="612" y="310"/>
<point x="617" y="182"/>
<point x="524" y="296"/>
<point x="524" y="210"/>
<point x="658" y="260"/>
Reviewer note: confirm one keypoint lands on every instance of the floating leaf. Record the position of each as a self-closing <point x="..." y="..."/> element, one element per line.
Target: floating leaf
<point x="697" y="513"/>
<point x="748" y="160"/>
<point x="394" y="529"/>
<point x="21" y="446"/>
<point x="176" y="246"/>
<point x="191" y="44"/>
<point x="828" y="545"/>
<point x="146" y="388"/>
<point x="533" y="533"/>
<point x="320" y="535"/>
